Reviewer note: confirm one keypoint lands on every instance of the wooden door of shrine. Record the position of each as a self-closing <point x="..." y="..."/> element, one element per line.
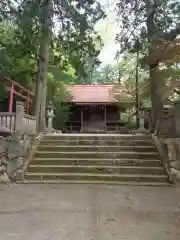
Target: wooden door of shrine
<point x="93" y="119"/>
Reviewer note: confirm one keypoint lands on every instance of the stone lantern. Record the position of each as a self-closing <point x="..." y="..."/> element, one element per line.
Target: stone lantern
<point x="141" y="114"/>
<point x="50" y="115"/>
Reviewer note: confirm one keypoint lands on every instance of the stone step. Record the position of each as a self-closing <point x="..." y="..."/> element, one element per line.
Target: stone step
<point x="107" y="148"/>
<point x="94" y="154"/>
<point x="98" y="142"/>
<point x="97" y="158"/>
<point x="94" y="177"/>
<point x="97" y="137"/>
<point x="94" y="161"/>
<point x="109" y="182"/>
<point x="95" y="169"/>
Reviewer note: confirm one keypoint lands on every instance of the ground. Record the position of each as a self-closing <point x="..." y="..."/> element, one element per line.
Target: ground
<point x="89" y="212"/>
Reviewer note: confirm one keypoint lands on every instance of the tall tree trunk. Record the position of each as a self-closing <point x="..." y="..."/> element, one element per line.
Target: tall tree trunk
<point x="41" y="80"/>
<point x="156" y="93"/>
<point x="137" y="87"/>
<point x="155" y="77"/>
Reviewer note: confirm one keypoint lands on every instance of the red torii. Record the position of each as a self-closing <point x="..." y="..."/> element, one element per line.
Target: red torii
<point x="26" y="94"/>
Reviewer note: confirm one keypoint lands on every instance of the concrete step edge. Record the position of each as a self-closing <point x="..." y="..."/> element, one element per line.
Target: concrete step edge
<point x="99" y="140"/>
<point x="93" y="152"/>
<point x="110" y="138"/>
<point x="99" y="174"/>
<point x="95" y="159"/>
<point x="97" y="136"/>
<point x="96" y="166"/>
<point x="94" y="134"/>
<point x="160" y="184"/>
<point x="96" y="139"/>
<point x="92" y="146"/>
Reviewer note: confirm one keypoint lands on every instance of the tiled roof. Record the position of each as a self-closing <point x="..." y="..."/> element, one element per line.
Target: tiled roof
<point x="97" y="93"/>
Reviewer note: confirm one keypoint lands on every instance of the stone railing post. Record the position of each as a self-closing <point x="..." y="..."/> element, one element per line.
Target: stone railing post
<point x="176" y="112"/>
<point x="50" y="116"/>
<point x="19" y="124"/>
<point x="142" y="116"/>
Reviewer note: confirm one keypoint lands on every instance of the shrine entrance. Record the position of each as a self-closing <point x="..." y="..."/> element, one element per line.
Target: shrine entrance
<point x="93" y="119"/>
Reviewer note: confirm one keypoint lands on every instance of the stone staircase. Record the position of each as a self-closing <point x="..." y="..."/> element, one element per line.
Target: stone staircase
<point x="110" y="159"/>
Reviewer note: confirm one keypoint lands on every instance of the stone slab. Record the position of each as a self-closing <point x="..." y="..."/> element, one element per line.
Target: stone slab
<point x="89" y="212"/>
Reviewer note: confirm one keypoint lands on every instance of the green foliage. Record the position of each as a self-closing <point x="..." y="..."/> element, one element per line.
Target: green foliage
<point x="62" y="106"/>
<point x="74" y="44"/>
<point x="21" y="68"/>
<point x="146" y="24"/>
<point x="171" y="75"/>
<point x="73" y="35"/>
<point x="132" y="16"/>
<point x="149" y="26"/>
<point x="124" y="73"/>
<point x="58" y="94"/>
<point x="103" y="75"/>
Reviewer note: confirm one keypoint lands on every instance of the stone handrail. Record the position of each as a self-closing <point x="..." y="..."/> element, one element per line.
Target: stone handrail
<point x="163" y="151"/>
<point x="25" y="123"/>
<point x="173" y="145"/>
<point x="7" y="114"/>
<point x="18" y="121"/>
<point x="29" y="123"/>
<point x="7" y="120"/>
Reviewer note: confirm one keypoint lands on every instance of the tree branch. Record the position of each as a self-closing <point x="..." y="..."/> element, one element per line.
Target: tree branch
<point x="172" y="34"/>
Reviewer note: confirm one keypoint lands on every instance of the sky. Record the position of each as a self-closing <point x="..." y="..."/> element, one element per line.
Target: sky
<point x="108" y="29"/>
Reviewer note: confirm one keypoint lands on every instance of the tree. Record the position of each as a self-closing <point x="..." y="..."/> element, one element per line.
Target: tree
<point x="71" y="19"/>
<point x="55" y="33"/>
<point x="62" y="105"/>
<point x="156" y="24"/>
<point x="43" y="59"/>
<point x="20" y="65"/>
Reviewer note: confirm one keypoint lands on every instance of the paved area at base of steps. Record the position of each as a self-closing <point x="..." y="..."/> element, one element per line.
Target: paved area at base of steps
<point x="95" y="134"/>
<point x="89" y="212"/>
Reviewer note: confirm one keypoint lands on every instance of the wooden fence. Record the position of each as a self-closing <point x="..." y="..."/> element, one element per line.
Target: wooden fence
<point x="166" y="126"/>
<point x="169" y="124"/>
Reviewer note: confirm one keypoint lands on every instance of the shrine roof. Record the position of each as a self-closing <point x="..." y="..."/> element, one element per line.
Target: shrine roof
<point x="98" y="93"/>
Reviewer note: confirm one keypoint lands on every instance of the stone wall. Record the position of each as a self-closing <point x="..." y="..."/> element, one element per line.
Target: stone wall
<point x="173" y="145"/>
<point x="18" y="147"/>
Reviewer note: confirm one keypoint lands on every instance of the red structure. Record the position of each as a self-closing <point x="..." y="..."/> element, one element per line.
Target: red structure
<point x="15" y="89"/>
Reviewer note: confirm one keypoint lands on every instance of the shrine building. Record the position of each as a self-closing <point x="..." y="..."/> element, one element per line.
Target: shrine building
<point x="97" y="108"/>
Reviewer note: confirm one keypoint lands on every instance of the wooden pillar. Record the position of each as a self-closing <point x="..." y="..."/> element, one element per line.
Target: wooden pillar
<point x="11" y="95"/>
<point x="105" y="118"/>
<point x="81" y="119"/>
<point x="28" y="104"/>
